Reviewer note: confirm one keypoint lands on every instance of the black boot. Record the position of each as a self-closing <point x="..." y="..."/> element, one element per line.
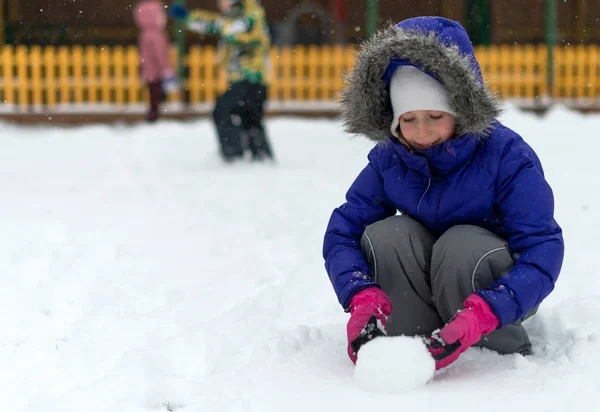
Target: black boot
<point x="231" y="157"/>
<point x="259" y="145"/>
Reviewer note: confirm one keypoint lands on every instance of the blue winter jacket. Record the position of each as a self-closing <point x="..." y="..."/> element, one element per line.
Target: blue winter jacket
<point x="487" y="176"/>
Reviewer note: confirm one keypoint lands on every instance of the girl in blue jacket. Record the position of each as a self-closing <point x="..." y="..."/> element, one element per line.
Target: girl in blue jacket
<point x="449" y="231"/>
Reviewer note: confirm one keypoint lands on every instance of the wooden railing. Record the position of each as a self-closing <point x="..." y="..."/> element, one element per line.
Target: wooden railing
<point x="93" y="76"/>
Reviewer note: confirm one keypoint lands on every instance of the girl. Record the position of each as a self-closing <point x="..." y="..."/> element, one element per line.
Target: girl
<point x="156" y="70"/>
<point x="475" y="248"/>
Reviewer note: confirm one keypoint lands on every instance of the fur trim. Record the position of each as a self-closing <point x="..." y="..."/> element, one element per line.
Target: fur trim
<point x="365" y="103"/>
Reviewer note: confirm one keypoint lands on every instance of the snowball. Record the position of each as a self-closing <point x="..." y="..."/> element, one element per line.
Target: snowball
<point x="393" y="364"/>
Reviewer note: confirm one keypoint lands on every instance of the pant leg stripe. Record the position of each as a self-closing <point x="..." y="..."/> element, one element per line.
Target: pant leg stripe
<point x="374" y="257"/>
<point x="481" y="260"/>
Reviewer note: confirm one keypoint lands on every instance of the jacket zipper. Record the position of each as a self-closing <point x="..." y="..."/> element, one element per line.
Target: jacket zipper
<point x="424" y="193"/>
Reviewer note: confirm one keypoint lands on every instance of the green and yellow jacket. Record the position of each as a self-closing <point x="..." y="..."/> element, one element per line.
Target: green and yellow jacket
<point x="245" y="41"/>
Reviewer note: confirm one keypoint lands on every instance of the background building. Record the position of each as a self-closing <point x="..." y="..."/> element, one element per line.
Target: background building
<point x="308" y="22"/>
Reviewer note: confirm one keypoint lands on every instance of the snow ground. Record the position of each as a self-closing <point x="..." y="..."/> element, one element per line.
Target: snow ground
<point x="140" y="274"/>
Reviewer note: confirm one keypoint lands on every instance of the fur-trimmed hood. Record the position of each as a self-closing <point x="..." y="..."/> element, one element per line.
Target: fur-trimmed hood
<point x="438" y="46"/>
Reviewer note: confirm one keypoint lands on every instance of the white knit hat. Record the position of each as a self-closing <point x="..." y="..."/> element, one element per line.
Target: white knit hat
<point x="411" y="89"/>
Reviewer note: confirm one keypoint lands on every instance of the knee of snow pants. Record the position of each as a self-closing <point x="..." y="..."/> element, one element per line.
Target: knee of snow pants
<point x="398" y="251"/>
<point x="467" y="258"/>
<point x="428" y="279"/>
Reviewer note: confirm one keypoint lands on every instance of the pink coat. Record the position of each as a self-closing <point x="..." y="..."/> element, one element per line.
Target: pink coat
<point x="150" y="17"/>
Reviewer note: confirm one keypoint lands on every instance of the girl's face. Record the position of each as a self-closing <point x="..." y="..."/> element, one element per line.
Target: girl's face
<point x="423" y="129"/>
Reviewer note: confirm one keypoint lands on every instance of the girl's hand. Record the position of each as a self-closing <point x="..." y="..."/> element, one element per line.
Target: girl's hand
<point x="464" y="330"/>
<point x="369" y="311"/>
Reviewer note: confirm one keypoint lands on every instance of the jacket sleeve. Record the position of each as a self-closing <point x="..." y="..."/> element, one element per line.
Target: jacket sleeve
<point x="247" y="30"/>
<point x="526" y="203"/>
<point x="204" y="21"/>
<point x="366" y="203"/>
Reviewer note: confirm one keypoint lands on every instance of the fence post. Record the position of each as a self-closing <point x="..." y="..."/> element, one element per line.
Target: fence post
<point x="180" y="42"/>
<point x="551" y="34"/>
<point x="2" y="21"/>
<point x="371" y="17"/>
<point x="478" y="21"/>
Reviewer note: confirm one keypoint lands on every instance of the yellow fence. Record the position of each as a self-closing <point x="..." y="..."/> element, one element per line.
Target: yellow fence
<point x="72" y="76"/>
<point x="521" y="72"/>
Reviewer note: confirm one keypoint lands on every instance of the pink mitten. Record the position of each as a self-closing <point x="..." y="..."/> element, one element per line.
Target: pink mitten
<point x="170" y="81"/>
<point x="464" y="330"/>
<point x="369" y="310"/>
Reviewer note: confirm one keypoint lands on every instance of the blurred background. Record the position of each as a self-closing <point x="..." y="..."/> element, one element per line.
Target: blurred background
<point x="78" y="59"/>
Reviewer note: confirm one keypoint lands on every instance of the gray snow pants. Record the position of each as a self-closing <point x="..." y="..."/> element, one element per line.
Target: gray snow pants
<point x="428" y="279"/>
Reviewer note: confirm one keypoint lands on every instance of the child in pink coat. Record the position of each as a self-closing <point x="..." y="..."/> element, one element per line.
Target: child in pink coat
<point x="156" y="71"/>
